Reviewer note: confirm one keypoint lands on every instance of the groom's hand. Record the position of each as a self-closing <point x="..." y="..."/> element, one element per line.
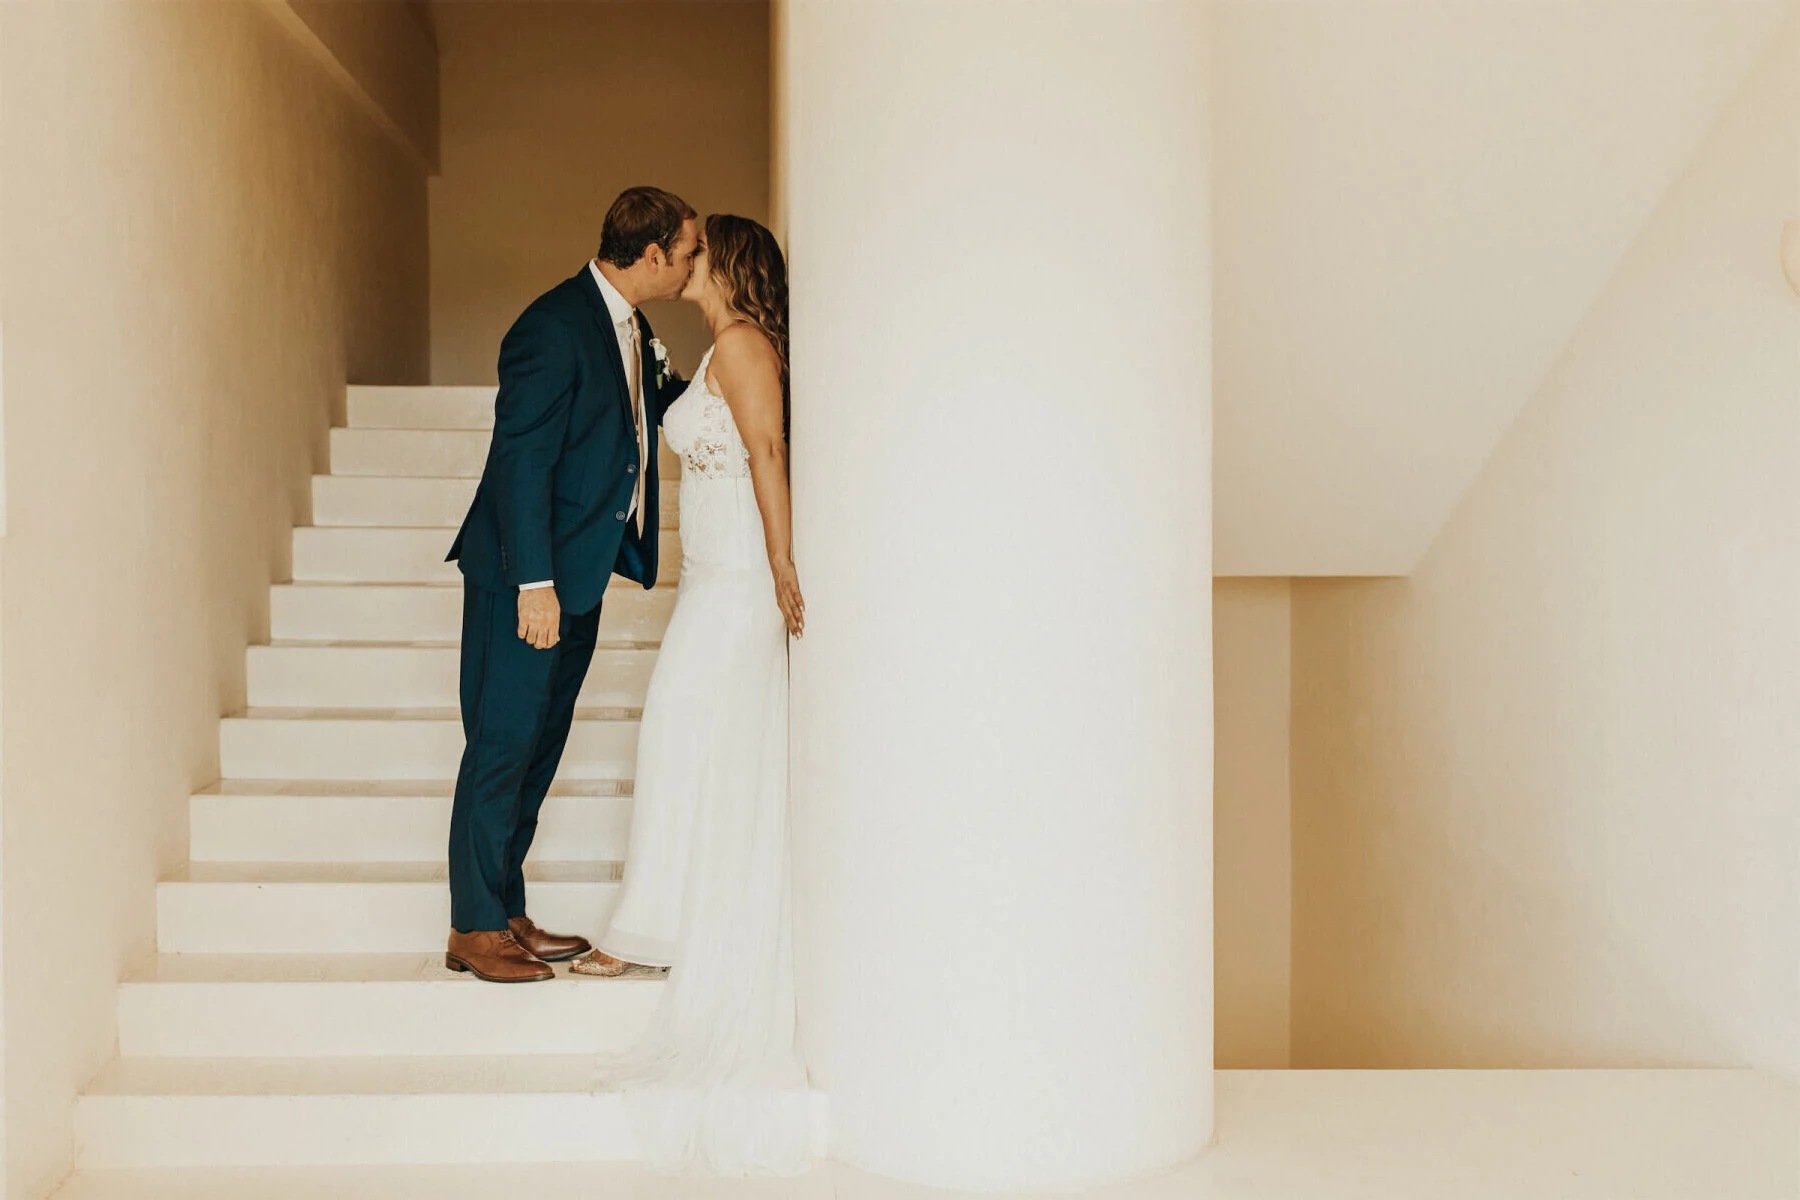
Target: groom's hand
<point x="539" y="617"/>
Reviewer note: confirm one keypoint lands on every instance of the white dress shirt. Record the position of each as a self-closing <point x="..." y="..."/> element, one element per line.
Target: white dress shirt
<point x="625" y="328"/>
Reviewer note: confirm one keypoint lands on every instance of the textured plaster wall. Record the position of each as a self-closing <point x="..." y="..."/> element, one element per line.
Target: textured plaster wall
<point x="203" y="238"/>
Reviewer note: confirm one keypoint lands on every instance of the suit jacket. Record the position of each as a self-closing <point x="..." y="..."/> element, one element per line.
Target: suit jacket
<point x="562" y="467"/>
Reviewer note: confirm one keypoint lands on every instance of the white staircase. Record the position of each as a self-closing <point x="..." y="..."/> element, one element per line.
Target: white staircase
<point x="299" y="1013"/>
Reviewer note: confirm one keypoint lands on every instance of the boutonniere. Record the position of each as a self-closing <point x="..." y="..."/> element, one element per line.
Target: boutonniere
<point x="665" y="370"/>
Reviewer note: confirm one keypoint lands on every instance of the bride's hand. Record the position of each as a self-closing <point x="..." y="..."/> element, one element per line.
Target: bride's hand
<point x="787" y="595"/>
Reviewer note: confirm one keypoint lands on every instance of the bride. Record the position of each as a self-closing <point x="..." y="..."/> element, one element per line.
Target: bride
<point x="716" y="1084"/>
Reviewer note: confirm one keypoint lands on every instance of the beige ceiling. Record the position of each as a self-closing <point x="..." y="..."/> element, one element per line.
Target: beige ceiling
<point x="1416" y="202"/>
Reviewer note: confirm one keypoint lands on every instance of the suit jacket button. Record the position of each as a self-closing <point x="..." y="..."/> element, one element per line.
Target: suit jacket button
<point x="632" y="469"/>
<point x="619" y="516"/>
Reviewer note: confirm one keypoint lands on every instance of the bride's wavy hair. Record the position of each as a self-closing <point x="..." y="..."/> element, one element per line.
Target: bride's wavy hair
<point x="747" y="263"/>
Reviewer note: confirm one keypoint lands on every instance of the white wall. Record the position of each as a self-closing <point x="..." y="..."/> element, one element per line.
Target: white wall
<point x="552" y="109"/>
<point x="203" y="238"/>
<point x="1545" y="792"/>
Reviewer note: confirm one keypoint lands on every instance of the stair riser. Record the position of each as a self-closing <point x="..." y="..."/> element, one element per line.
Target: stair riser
<point x="349" y="500"/>
<point x="428" y="1017"/>
<point x="431" y="453"/>
<point x="358" y="500"/>
<point x="304" y="748"/>
<point x="387" y="829"/>
<point x="340" y="555"/>
<point x="421" y="407"/>
<point x="178" y="1131"/>
<point x="412" y="677"/>
<point x="346" y="918"/>
<point x="337" y="554"/>
<point x="419" y="613"/>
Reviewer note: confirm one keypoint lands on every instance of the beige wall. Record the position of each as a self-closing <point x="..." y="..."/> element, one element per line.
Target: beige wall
<point x="386" y="51"/>
<point x="203" y="238"/>
<point x="1252" y="879"/>
<point x="1545" y="791"/>
<point x="1416" y="201"/>
<point x="549" y="111"/>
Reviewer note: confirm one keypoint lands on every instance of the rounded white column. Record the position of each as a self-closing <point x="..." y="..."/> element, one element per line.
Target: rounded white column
<point x="999" y="221"/>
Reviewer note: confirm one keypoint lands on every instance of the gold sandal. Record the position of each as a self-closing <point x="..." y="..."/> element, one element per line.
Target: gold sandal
<point x="594" y="962"/>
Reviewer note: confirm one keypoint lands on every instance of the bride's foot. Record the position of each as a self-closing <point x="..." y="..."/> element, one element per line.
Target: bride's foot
<point x="597" y="962"/>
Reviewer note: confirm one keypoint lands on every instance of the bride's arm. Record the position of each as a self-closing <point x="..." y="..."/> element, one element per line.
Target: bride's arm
<point x="749" y="375"/>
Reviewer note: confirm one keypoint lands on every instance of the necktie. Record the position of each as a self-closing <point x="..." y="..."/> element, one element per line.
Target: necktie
<point x="634" y="375"/>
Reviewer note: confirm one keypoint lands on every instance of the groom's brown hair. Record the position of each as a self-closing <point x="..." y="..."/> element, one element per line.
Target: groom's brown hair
<point x="640" y="218"/>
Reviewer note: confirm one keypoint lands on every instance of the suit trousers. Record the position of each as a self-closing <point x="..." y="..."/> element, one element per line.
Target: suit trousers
<point x="517" y="706"/>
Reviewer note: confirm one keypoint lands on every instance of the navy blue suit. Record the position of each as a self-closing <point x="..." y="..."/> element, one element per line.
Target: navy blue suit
<point x="553" y="504"/>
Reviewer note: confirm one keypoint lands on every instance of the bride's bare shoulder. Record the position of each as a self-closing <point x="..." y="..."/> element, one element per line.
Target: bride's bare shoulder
<point x="744" y="346"/>
<point x="744" y="364"/>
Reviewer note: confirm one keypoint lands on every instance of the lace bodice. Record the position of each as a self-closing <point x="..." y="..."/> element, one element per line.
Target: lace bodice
<point x="699" y="427"/>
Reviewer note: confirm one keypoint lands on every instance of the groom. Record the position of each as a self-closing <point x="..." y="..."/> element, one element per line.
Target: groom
<point x="568" y="497"/>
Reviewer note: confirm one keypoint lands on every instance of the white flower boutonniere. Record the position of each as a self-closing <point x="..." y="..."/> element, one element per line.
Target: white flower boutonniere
<point x="665" y="370"/>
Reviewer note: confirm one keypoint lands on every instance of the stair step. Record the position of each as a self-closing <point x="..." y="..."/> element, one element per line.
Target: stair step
<point x="375" y="676"/>
<point x="174" y="1112"/>
<point x="431" y="453"/>
<point x="538" y="1181"/>
<point x="401" y="821"/>
<point x="361" y="500"/>
<point x="437" y="407"/>
<point x="277" y="1006"/>
<point x="354" y="908"/>
<point x="391" y="501"/>
<point x="345" y="554"/>
<point x="378" y="612"/>
<point x="282" y="743"/>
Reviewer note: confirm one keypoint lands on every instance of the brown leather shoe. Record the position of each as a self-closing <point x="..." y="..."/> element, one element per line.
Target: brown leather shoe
<point x="496" y="956"/>
<point x="550" y="947"/>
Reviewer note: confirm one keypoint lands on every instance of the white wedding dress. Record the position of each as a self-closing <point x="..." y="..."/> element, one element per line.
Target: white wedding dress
<point x="716" y="1084"/>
